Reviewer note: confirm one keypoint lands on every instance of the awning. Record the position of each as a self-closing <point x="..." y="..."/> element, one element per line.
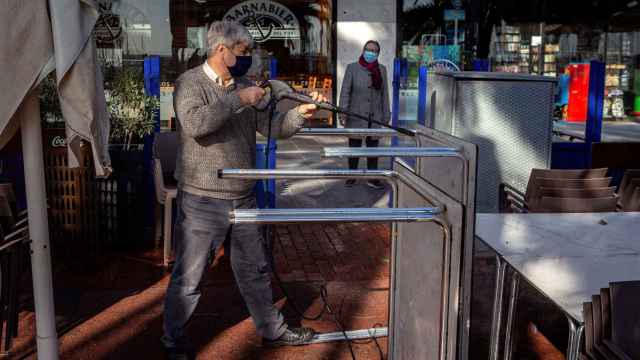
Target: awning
<point x="32" y="46"/>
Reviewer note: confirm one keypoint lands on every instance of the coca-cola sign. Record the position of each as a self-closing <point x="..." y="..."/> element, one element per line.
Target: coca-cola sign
<point x="58" y="141"/>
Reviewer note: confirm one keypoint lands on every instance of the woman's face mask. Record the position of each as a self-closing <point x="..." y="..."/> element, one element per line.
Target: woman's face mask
<point x="370" y="56"/>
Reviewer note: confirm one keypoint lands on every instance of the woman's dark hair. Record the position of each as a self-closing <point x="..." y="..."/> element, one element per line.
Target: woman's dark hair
<point x="371" y="42"/>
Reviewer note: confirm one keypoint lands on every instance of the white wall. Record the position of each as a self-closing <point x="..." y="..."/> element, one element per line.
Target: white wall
<point x="154" y="13"/>
<point x="359" y="21"/>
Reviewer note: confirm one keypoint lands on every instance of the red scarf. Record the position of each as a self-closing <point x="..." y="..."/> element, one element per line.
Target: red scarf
<point x="374" y="70"/>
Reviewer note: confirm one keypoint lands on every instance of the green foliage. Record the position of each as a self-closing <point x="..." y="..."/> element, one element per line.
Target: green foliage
<point x="50" y="111"/>
<point x="132" y="111"/>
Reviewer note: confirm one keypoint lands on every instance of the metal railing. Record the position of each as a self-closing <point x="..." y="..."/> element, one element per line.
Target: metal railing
<point x="440" y="189"/>
<point x="273" y="216"/>
<point x="394" y="215"/>
<point x="345" y="152"/>
<point x="389" y="176"/>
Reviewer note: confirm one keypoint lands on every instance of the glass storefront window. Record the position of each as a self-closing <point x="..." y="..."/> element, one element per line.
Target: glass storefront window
<point x="432" y="34"/>
<point x="292" y="38"/>
<point x="518" y="48"/>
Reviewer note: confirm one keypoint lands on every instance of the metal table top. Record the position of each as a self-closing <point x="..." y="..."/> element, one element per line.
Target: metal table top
<point x="568" y="257"/>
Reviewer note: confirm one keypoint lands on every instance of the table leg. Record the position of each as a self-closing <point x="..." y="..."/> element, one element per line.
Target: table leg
<point x="575" y="335"/>
<point x="496" y="318"/>
<point x="511" y="315"/>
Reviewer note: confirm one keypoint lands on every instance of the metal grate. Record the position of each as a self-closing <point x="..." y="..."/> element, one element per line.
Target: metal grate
<point x="508" y="117"/>
<point x="72" y="203"/>
<point x="88" y="215"/>
<point x="121" y="202"/>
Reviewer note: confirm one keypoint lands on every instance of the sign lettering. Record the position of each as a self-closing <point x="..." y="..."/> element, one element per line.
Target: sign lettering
<point x="58" y="141"/>
<point x="265" y="20"/>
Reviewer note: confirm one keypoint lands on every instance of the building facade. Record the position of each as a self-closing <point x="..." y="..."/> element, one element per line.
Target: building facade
<point x="309" y="42"/>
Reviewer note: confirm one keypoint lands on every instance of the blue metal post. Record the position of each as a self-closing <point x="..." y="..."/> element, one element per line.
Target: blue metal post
<point x="593" y="128"/>
<point x="266" y="189"/>
<point x="395" y="101"/>
<point x="422" y="95"/>
<point x="272" y="146"/>
<point x="273" y="68"/>
<point x="577" y="155"/>
<point x="481" y="65"/>
<point x="151" y="87"/>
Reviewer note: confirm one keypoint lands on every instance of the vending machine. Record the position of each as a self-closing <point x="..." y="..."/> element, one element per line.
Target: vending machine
<point x="578" y="92"/>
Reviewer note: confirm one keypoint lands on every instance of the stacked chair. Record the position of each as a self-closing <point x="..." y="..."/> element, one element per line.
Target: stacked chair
<point x="629" y="191"/>
<point x="165" y="149"/>
<point x="14" y="244"/>
<point x="554" y="191"/>
<point x="612" y="323"/>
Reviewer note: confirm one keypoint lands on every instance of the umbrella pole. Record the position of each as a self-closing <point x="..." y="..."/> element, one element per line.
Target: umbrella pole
<point x="47" y="337"/>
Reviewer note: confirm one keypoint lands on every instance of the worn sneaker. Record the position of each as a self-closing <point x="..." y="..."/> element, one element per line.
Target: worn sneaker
<point x="292" y="337"/>
<point x="350" y="183"/>
<point x="375" y="184"/>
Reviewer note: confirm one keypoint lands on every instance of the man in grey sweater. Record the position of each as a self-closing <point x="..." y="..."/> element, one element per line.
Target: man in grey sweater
<point x="217" y="126"/>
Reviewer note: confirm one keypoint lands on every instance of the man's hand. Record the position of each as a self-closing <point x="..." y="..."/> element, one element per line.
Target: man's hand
<point x="251" y="95"/>
<point x="308" y="110"/>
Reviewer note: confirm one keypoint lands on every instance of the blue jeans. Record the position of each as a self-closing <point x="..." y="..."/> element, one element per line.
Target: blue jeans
<point x="201" y="226"/>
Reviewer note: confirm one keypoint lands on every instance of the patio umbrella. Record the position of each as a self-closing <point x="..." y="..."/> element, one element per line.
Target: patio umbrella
<point x="34" y="44"/>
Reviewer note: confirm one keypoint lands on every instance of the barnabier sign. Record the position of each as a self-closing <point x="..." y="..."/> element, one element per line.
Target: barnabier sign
<point x="265" y="20"/>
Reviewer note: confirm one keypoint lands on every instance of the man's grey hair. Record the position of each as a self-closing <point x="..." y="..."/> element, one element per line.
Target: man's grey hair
<point x="227" y="33"/>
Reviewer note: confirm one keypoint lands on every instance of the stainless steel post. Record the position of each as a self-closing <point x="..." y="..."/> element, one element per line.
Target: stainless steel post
<point x="575" y="337"/>
<point x="511" y="314"/>
<point x="496" y="318"/>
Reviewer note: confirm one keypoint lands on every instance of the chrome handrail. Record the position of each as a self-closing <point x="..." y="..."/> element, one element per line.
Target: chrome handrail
<point x="342" y="152"/>
<point x="273" y="216"/>
<point x="390" y="176"/>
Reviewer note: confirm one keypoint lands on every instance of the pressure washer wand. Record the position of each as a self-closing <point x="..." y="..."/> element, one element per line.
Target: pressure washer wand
<point x="281" y="90"/>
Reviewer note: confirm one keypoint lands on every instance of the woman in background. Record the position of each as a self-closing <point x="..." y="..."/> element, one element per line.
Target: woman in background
<point x="364" y="91"/>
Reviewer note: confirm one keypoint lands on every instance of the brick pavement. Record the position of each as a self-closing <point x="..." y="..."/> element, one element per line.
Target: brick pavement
<point x="115" y="310"/>
<point x="326" y="252"/>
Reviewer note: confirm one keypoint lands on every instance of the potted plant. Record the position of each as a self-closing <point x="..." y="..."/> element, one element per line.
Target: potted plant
<point x="50" y="111"/>
<point x="132" y="111"/>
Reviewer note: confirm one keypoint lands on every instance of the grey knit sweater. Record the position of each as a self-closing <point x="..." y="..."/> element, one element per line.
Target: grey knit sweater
<point x="215" y="134"/>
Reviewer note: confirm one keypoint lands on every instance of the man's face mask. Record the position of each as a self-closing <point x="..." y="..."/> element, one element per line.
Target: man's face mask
<point x="242" y="65"/>
<point x="370" y="56"/>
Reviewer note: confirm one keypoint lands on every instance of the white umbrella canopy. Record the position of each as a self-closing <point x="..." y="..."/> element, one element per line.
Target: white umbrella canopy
<point x="79" y="80"/>
<point x="25" y="50"/>
<point x="37" y="45"/>
<point x="33" y="44"/>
